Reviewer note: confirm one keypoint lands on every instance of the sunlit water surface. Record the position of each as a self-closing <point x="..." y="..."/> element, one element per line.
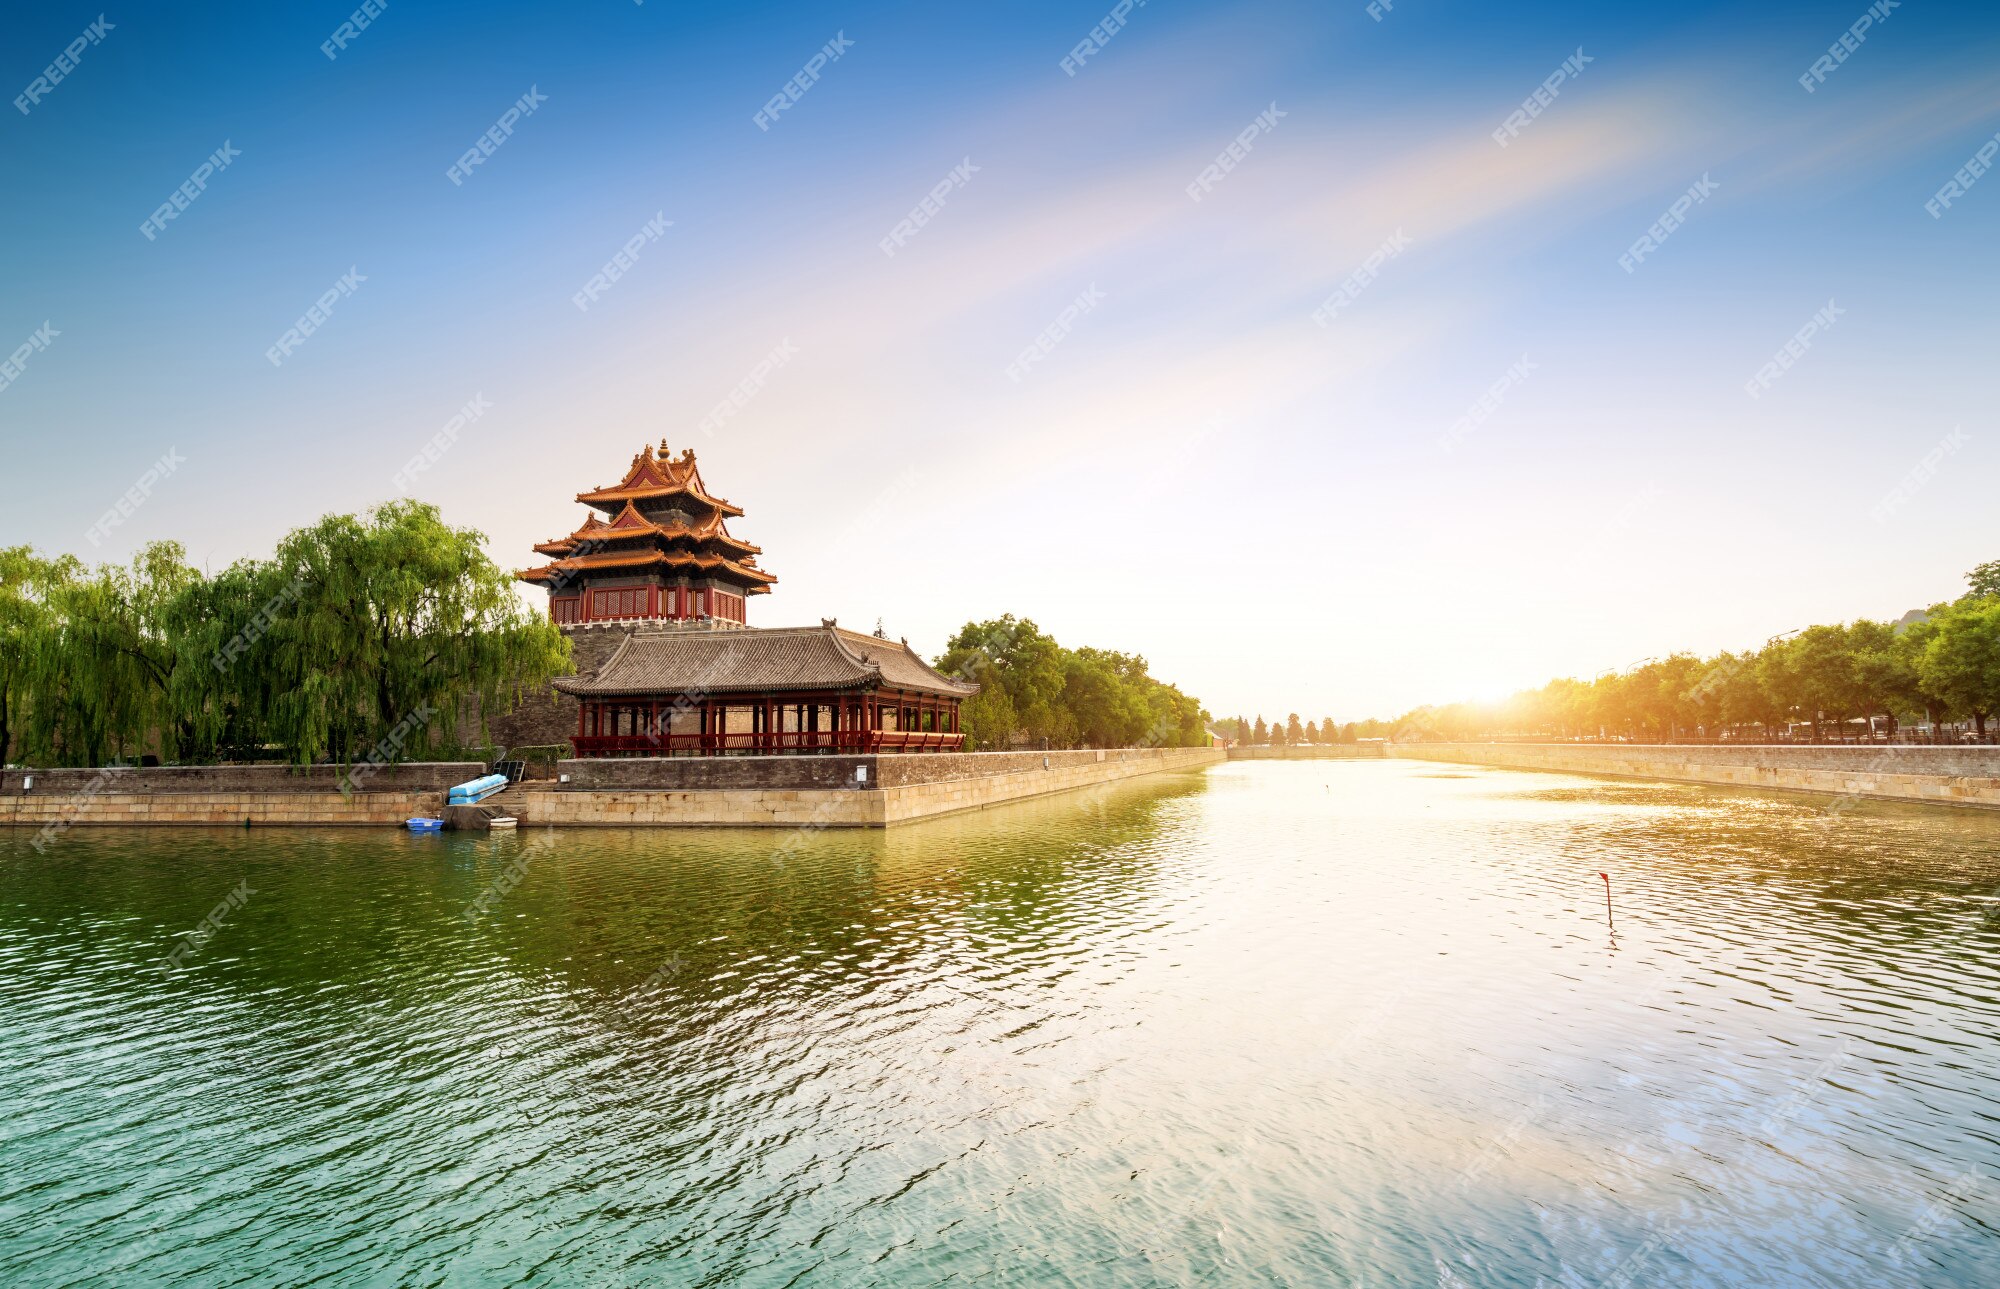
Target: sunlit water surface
<point x="1301" y="1023"/>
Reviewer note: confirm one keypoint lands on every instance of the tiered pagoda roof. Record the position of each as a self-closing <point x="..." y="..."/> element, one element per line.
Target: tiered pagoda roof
<point x="661" y="518"/>
<point x="825" y="657"/>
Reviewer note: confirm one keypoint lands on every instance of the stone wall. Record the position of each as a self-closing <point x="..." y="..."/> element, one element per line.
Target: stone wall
<point x="1960" y="776"/>
<point x="912" y="794"/>
<point x="778" y="791"/>
<point x="788" y="792"/>
<point x="230" y="795"/>
<point x="543" y="717"/>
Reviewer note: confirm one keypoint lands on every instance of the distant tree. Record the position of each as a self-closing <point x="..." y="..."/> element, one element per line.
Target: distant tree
<point x="1295" y="733"/>
<point x="1086" y="697"/>
<point x="1984" y="580"/>
<point x="1312" y="732"/>
<point x="1961" y="663"/>
<point x="1258" y="734"/>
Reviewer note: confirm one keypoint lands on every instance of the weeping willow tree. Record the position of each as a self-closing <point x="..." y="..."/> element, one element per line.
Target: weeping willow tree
<point x="99" y="668"/>
<point x="27" y="617"/>
<point x="363" y="634"/>
<point x="393" y="622"/>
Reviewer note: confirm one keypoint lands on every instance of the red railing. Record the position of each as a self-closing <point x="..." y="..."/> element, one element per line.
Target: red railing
<point x="769" y="743"/>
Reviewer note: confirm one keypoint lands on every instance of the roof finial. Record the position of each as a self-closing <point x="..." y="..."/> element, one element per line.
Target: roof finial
<point x="663" y="449"/>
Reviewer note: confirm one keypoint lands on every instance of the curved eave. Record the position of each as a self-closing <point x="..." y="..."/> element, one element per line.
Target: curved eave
<point x="602" y="533"/>
<point x="652" y="559"/>
<point x="614" y="499"/>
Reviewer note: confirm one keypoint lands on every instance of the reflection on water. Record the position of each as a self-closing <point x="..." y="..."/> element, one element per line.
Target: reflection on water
<point x="1315" y="1023"/>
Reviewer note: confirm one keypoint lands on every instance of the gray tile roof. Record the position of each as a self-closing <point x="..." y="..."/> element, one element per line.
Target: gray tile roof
<point x="677" y="661"/>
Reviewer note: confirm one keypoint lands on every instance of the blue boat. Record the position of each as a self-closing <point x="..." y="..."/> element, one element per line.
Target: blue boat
<point x="474" y="791"/>
<point x="426" y="825"/>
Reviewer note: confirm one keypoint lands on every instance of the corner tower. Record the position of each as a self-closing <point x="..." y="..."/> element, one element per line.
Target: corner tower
<point x="658" y="549"/>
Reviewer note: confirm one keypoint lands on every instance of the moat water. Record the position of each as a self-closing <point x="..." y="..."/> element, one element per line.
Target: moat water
<point x="1302" y="1023"/>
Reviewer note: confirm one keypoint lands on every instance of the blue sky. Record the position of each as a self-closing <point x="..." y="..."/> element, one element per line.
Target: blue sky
<point x="1264" y="506"/>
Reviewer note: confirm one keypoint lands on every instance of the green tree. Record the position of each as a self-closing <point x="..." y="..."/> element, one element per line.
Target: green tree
<point x="395" y="618"/>
<point x="1961" y="662"/>
<point x="1014" y="656"/>
<point x="102" y="673"/>
<point x="1885" y="670"/>
<point x="1984" y="581"/>
<point x="28" y="585"/>
<point x="988" y="720"/>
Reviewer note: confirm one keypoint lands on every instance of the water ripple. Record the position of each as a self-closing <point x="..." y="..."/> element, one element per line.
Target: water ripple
<point x="1281" y="1023"/>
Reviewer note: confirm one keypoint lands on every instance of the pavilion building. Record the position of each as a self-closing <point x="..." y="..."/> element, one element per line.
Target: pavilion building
<point x="683" y="672"/>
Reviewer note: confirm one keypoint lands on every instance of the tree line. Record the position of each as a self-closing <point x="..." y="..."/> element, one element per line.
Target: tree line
<point x="1037" y="693"/>
<point x="1941" y="665"/>
<point x="356" y="631"/>
<point x="1289" y="733"/>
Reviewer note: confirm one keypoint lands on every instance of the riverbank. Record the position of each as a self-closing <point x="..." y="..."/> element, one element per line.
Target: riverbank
<point x="1950" y="776"/>
<point x="766" y="792"/>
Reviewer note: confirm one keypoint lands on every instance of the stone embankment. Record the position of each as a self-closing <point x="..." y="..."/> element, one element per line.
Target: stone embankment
<point x="771" y="792"/>
<point x="229" y="794"/>
<point x="1954" y="776"/>
<point x="824" y="791"/>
